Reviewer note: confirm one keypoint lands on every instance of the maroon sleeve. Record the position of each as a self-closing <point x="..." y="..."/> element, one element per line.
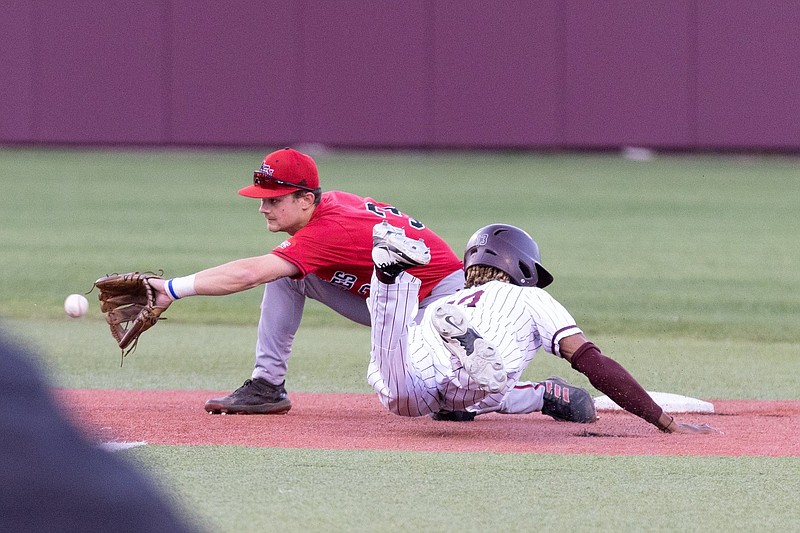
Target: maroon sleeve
<point x="610" y="378"/>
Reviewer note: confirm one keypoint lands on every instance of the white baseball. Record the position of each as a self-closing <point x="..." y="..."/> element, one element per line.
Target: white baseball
<point x="76" y="305"/>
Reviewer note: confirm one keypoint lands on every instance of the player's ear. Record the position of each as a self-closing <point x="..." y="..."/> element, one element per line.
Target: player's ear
<point x="306" y="198"/>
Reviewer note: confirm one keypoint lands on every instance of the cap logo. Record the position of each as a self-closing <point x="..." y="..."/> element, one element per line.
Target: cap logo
<point x="483" y="239"/>
<point x="266" y="169"/>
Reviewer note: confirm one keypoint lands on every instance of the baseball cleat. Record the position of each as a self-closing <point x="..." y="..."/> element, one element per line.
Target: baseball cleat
<point x="255" y="397"/>
<point x="567" y="403"/>
<point x="478" y="356"/>
<point x="393" y="252"/>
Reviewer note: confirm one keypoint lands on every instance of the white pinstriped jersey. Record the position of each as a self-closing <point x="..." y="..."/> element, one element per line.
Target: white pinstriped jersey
<point x="412" y="371"/>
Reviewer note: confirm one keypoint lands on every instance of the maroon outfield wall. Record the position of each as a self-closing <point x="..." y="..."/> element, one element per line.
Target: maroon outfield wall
<point x="687" y="74"/>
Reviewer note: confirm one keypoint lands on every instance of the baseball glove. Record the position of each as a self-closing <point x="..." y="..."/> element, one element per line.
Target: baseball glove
<point x="129" y="303"/>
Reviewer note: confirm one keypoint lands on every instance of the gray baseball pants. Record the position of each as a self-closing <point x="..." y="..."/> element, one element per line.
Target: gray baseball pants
<point x="282" y="310"/>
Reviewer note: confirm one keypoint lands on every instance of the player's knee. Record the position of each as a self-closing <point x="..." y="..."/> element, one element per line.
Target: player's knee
<point x="406" y="405"/>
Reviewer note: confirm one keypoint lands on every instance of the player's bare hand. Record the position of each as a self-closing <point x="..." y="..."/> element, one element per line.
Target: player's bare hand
<point x="685" y="427"/>
<point x="162" y="300"/>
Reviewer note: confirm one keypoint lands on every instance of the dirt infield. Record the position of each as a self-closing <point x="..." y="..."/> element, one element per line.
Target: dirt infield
<point x="358" y="421"/>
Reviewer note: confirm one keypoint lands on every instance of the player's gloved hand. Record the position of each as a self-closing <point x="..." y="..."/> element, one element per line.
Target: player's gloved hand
<point x="686" y="427"/>
<point x="131" y="305"/>
<point x="162" y="300"/>
<point x="668" y="424"/>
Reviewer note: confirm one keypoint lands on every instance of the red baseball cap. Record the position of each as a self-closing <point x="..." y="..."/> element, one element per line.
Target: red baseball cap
<point x="283" y="172"/>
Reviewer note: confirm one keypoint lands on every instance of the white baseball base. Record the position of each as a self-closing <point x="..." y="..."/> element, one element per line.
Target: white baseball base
<point x="117" y="446"/>
<point x="669" y="402"/>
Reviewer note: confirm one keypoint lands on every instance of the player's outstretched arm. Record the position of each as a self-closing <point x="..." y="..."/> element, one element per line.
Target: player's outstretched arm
<point x="229" y="278"/>
<point x="611" y="378"/>
<point x="242" y="274"/>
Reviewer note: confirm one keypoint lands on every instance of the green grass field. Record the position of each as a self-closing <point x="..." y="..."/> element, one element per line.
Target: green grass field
<point x="684" y="268"/>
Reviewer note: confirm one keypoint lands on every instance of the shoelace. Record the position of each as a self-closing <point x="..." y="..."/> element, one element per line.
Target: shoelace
<point x="245" y="385"/>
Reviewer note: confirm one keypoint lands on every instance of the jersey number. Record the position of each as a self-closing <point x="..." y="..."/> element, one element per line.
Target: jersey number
<point x="471" y="299"/>
<point x="343" y="280"/>
<point x="381" y="212"/>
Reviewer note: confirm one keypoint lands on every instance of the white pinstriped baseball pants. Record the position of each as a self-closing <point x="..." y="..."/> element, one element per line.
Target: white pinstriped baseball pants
<point x="411" y="370"/>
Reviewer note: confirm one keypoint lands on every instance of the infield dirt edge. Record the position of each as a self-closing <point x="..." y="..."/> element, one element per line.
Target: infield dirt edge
<point x="358" y="421"/>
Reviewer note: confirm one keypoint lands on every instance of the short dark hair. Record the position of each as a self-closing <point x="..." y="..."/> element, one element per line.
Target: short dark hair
<point x="299" y="193"/>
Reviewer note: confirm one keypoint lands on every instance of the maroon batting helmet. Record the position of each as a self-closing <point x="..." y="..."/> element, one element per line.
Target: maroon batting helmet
<point x="511" y="250"/>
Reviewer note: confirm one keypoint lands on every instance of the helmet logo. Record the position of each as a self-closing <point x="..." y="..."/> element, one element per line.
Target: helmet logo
<point x="266" y="169"/>
<point x="482" y="239"/>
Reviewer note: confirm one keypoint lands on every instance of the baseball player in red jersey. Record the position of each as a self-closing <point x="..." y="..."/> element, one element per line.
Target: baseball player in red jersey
<point x="327" y="257"/>
<point x="470" y="348"/>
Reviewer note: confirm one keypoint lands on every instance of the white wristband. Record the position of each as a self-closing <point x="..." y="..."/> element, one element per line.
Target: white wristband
<point x="177" y="288"/>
